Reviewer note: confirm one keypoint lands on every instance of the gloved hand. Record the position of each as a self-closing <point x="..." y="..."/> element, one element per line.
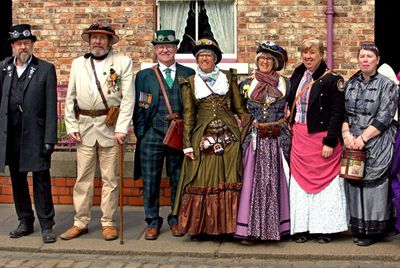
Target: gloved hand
<point x="48" y="149"/>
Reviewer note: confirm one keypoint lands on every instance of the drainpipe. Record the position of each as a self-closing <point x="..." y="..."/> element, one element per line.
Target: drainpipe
<point x="329" y="14"/>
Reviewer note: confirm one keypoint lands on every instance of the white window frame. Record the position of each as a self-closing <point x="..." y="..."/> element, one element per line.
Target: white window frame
<point x="189" y="58"/>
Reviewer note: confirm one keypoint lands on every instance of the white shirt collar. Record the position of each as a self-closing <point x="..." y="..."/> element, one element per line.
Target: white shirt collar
<point x="20" y="70"/>
<point x="163" y="67"/>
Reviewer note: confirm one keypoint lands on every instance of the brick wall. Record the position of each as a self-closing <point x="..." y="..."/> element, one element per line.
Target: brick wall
<point x="59" y="24"/>
<point x="62" y="189"/>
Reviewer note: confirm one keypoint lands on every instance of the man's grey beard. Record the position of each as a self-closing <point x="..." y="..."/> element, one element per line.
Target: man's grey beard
<point x="100" y="52"/>
<point x="24" y="57"/>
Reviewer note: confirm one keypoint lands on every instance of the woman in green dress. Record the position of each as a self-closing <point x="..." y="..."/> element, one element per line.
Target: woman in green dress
<point x="210" y="181"/>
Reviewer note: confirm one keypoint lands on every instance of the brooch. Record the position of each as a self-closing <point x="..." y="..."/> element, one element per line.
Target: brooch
<point x="245" y="90"/>
<point x="114" y="82"/>
<point x="31" y="72"/>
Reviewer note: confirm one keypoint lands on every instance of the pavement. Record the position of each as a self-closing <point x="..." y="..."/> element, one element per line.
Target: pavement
<point x="133" y="243"/>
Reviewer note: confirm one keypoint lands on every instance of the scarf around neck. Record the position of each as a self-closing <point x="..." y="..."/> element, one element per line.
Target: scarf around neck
<point x="267" y="86"/>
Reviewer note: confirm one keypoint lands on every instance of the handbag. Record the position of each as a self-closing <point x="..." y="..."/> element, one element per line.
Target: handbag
<point x="112" y="116"/>
<point x="113" y="111"/>
<point x="174" y="136"/>
<point x="352" y="164"/>
<point x="269" y="129"/>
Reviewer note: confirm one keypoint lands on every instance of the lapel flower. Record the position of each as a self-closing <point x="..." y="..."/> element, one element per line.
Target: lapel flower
<point x="114" y="81"/>
<point x="31" y="71"/>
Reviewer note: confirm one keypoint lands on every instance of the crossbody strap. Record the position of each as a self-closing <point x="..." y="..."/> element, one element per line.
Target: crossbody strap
<point x="305" y="87"/>
<point x="162" y="88"/>
<point x="98" y="83"/>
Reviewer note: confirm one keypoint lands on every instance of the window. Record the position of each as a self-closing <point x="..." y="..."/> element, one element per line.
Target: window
<point x="193" y="20"/>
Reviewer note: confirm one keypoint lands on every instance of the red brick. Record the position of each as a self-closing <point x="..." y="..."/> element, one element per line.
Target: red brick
<point x="164" y="201"/>
<point x="135" y="201"/>
<point x="55" y="199"/>
<point x="97" y="182"/>
<point x="6" y="199"/>
<point x="97" y="191"/>
<point x="61" y="190"/>
<point x="139" y="183"/>
<point x="70" y="182"/>
<point x="59" y="182"/>
<point x="128" y="183"/>
<point x="6" y="190"/>
<point x="65" y="200"/>
<point x="96" y="200"/>
<point x="165" y="183"/>
<point x="5" y="180"/>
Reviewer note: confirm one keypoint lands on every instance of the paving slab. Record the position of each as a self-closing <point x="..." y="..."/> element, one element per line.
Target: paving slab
<point x="341" y="249"/>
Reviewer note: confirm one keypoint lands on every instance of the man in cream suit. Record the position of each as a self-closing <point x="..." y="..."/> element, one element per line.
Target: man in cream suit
<point x="99" y="80"/>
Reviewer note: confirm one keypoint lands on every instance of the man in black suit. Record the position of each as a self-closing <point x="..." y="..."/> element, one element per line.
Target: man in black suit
<point x="28" y="130"/>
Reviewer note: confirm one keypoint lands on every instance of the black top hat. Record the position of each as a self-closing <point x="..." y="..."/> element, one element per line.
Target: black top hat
<point x="21" y="31"/>
<point x="278" y="52"/>
<point x="208" y="43"/>
<point x="165" y="37"/>
<point x="100" y="27"/>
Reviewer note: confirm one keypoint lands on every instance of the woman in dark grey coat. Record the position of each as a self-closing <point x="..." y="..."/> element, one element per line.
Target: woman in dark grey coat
<point x="371" y="102"/>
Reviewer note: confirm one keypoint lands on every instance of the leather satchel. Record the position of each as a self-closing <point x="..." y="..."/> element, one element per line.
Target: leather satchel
<point x="269" y="129"/>
<point x="174" y="136"/>
<point x="112" y="116"/>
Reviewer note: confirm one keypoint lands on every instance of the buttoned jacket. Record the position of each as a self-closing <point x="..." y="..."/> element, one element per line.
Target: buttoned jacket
<point x="39" y="116"/>
<point x="325" y="110"/>
<point x="120" y="93"/>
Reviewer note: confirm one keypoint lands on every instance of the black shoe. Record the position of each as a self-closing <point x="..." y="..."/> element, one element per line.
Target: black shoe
<point x="22" y="230"/>
<point x="324" y="238"/>
<point x="365" y="242"/>
<point x="49" y="236"/>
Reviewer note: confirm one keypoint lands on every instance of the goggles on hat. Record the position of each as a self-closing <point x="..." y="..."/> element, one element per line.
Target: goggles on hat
<point x="25" y="33"/>
<point x="169" y="37"/>
<point x="101" y="24"/>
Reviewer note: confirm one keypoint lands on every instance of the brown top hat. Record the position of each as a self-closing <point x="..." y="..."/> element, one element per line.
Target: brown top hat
<point x="100" y="27"/>
<point x="208" y="43"/>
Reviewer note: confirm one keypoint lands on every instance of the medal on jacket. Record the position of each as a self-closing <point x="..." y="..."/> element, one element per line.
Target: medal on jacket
<point x="114" y="82"/>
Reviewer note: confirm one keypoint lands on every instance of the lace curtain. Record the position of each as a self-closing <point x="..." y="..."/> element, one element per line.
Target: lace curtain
<point x="220" y="13"/>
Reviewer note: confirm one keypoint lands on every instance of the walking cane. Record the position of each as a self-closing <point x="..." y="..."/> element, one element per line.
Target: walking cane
<point x="121" y="203"/>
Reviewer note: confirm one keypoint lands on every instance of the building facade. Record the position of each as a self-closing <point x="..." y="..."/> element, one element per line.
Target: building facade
<point x="238" y="25"/>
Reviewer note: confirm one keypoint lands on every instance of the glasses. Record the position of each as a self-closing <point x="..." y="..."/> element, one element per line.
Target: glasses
<point x="262" y="58"/>
<point x="169" y="37"/>
<point x="25" y="33"/>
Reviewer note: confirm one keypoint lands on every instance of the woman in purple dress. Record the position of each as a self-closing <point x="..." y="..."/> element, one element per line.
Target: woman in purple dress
<point x="264" y="202"/>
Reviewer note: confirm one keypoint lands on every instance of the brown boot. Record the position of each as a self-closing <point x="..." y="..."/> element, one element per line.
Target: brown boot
<point x="73" y="232"/>
<point x="109" y="233"/>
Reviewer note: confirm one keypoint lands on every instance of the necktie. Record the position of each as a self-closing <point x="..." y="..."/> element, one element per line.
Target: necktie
<point x="168" y="77"/>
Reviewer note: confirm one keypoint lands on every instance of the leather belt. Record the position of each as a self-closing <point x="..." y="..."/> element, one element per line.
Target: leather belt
<point x="93" y="113"/>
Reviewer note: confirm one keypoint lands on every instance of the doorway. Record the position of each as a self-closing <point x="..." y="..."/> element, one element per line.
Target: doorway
<point x="386" y="32"/>
<point x="5" y="22"/>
